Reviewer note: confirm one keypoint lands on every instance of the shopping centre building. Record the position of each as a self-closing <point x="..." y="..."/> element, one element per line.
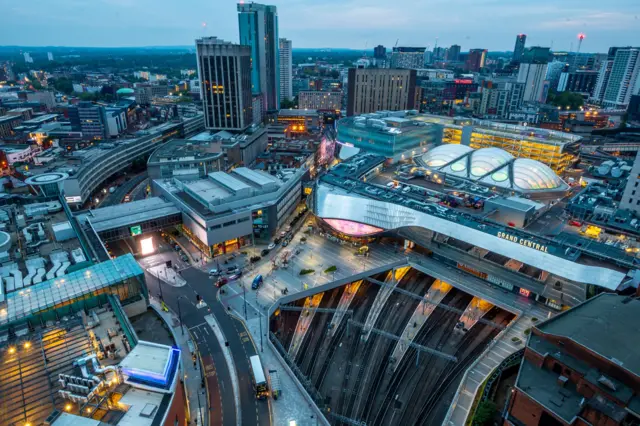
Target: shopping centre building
<point x="358" y="201"/>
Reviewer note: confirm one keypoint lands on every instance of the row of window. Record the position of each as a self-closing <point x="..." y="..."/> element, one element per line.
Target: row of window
<point x="226" y="224"/>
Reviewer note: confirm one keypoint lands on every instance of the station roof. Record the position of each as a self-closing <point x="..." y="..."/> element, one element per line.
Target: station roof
<point x="131" y="213"/>
<point x="604" y="325"/>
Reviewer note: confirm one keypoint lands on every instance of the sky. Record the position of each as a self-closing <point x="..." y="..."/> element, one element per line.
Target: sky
<point x="360" y="24"/>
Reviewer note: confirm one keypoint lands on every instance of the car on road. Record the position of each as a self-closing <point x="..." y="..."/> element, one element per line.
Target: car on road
<point x="221" y="282"/>
<point x="271" y="246"/>
<point x="264" y="252"/>
<point x="285" y="243"/>
<point x="234" y="276"/>
<point x="257" y="282"/>
<point x="232" y="269"/>
<point x="214" y="272"/>
<point x="184" y="258"/>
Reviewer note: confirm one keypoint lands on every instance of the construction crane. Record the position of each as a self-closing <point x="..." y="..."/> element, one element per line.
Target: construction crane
<point x="396" y="45"/>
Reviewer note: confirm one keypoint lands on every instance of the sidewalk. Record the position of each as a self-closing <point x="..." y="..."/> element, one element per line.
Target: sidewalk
<point x="191" y="374"/>
<point x="291" y="405"/>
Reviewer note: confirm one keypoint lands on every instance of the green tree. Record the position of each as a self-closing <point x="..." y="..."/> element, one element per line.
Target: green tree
<point x="36" y="84"/>
<point x="567" y="99"/>
<point x="484" y="413"/>
<point x="62" y="84"/>
<point x="288" y="103"/>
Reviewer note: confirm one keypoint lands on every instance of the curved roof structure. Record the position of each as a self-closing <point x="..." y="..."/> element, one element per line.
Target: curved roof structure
<point x="493" y="167"/>
<point x="125" y="91"/>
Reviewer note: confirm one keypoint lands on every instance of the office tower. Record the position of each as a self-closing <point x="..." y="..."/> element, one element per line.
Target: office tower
<point x="454" y="53"/>
<point x="475" y="60"/>
<point x="380" y="52"/>
<point x="604" y="72"/>
<point x="624" y="78"/>
<point x="258" y="24"/>
<point x="554" y="70"/>
<point x="375" y="89"/>
<point x="314" y="99"/>
<point x="90" y="119"/>
<point x="518" y="49"/>
<point x="286" y="77"/>
<point x="533" y="73"/>
<point x="439" y="53"/>
<point x="224" y="70"/>
<point x="407" y="57"/>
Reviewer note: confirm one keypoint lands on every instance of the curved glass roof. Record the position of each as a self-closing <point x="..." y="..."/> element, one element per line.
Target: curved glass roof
<point x="493" y="166"/>
<point x="531" y="174"/>
<point x="444" y="154"/>
<point x="485" y="160"/>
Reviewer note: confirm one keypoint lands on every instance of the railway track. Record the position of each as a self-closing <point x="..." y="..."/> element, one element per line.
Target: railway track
<point x="483" y="335"/>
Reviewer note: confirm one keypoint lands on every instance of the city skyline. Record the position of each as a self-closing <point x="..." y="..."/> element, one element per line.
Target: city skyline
<point x="355" y="25"/>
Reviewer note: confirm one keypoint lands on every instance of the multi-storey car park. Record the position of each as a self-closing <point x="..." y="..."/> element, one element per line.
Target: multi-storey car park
<point x="398" y="134"/>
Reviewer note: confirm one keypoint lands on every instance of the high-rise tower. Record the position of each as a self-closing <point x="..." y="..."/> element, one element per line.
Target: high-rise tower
<point x="286" y="78"/>
<point x="518" y="49"/>
<point x="258" y="25"/>
<point x="224" y="70"/>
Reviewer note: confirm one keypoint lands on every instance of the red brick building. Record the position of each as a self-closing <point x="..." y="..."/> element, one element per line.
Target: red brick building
<point x="581" y="367"/>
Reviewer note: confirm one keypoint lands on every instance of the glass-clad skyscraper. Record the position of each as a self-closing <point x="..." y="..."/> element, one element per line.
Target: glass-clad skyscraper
<point x="258" y="24"/>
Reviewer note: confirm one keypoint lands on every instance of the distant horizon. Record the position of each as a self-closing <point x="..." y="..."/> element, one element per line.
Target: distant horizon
<point x="345" y="24"/>
<point x="184" y="46"/>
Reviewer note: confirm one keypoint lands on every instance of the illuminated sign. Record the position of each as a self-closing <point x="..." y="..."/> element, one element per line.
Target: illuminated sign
<point x="524" y="292"/>
<point x="355" y="229"/>
<point x="472" y="271"/>
<point x="73" y="199"/>
<point x="136" y="230"/>
<point x="462" y="81"/>
<point x="523" y="242"/>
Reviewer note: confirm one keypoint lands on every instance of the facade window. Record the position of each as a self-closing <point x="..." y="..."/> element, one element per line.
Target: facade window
<point x="233" y="222"/>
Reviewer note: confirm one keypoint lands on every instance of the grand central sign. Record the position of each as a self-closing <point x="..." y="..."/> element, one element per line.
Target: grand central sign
<point x="523" y="242"/>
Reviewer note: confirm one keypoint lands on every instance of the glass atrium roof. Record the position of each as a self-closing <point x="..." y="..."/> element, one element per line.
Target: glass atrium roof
<point x="21" y="304"/>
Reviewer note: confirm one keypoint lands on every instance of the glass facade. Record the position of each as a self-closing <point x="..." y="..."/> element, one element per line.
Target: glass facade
<point x="121" y="276"/>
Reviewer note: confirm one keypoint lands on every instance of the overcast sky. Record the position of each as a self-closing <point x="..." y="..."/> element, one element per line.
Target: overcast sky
<point x="490" y="24"/>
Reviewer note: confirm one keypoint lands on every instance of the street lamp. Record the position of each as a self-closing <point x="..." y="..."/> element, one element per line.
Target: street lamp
<point x="180" y="312"/>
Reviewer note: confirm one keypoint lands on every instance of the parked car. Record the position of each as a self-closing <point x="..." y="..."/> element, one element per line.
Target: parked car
<point x="184" y="258"/>
<point x="232" y="269"/>
<point x="271" y="246"/>
<point x="264" y="252"/>
<point x="214" y="272"/>
<point x="235" y="276"/>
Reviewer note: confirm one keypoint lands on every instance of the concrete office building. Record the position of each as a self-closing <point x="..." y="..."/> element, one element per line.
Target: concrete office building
<point x="186" y="158"/>
<point x="475" y="60"/>
<point x="90" y="119"/>
<point x="371" y="90"/>
<point x="144" y="93"/>
<point x="533" y="73"/>
<point x="224" y="212"/>
<point x="258" y="25"/>
<point x="318" y="100"/>
<point x="224" y="70"/>
<point x="408" y="57"/>
<point x="624" y="78"/>
<point x="286" y="74"/>
<point x="578" y="81"/>
<point x="518" y="49"/>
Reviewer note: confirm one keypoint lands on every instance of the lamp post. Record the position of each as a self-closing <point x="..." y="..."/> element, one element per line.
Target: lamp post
<point x="180" y="312"/>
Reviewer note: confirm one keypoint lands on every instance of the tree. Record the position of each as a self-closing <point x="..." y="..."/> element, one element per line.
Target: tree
<point x="335" y="74"/>
<point x="288" y="103"/>
<point x="484" y="413"/>
<point x="567" y="99"/>
<point x="62" y="84"/>
<point x="36" y="84"/>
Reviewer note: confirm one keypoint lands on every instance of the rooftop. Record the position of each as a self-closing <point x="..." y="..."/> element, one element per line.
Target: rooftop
<point x="126" y="214"/>
<point x="296" y="112"/>
<point x="596" y="325"/>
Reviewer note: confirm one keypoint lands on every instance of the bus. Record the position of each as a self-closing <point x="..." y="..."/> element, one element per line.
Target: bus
<point x="259" y="379"/>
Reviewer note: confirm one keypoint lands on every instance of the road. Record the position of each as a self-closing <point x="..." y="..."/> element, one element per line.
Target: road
<point x="253" y="411"/>
<point x="122" y="190"/>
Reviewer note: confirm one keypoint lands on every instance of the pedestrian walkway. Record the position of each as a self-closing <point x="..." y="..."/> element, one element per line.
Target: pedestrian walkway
<point x="474" y="311"/>
<point x="191" y="374"/>
<point x="291" y="405"/>
<point x="435" y="294"/>
<point x="392" y="279"/>
<point x="168" y="275"/>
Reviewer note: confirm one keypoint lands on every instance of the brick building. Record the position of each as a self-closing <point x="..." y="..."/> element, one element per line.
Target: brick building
<point x="581" y="367"/>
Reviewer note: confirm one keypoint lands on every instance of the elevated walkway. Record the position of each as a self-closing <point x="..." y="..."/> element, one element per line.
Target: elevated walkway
<point x="435" y="294"/>
<point x="475" y="310"/>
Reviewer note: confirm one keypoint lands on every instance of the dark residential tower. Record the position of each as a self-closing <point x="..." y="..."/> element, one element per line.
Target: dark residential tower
<point x="475" y="60"/>
<point x="454" y="53"/>
<point x="380" y="52"/>
<point x="224" y="70"/>
<point x="518" y="49"/>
